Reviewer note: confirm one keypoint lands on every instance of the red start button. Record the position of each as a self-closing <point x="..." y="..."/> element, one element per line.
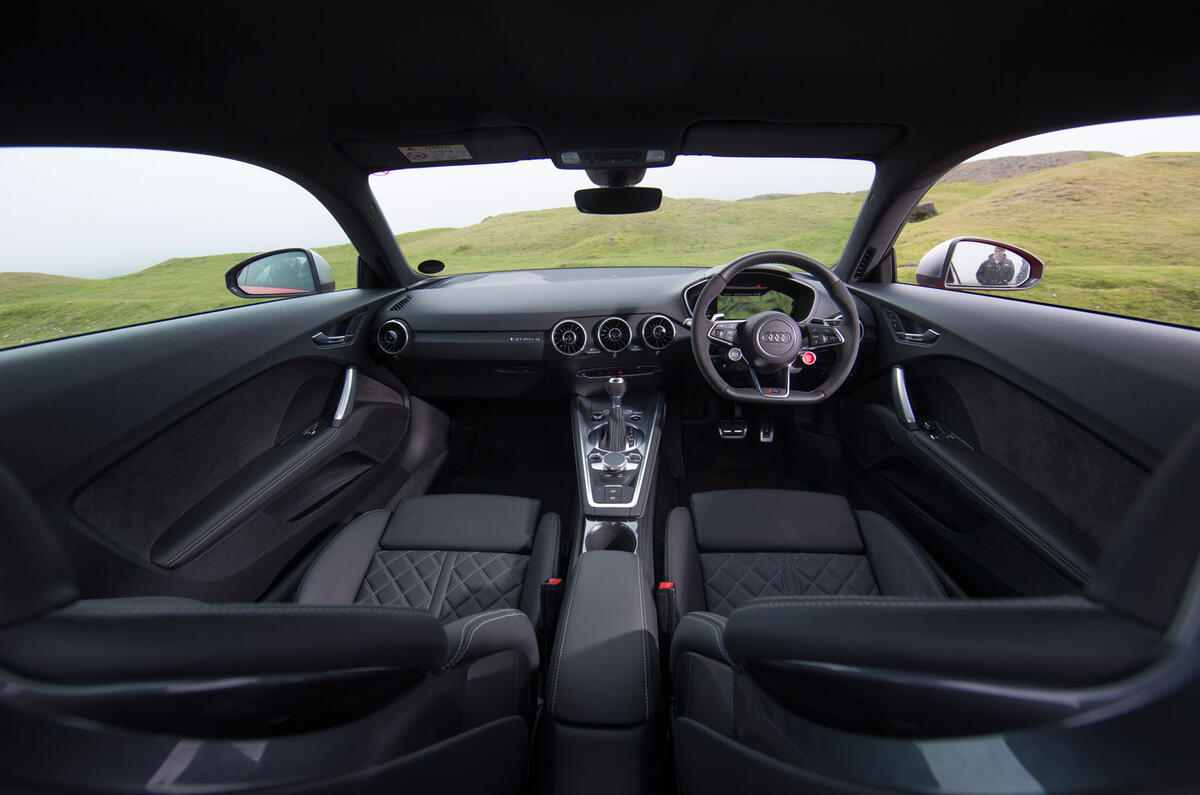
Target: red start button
<point x="808" y="357"/>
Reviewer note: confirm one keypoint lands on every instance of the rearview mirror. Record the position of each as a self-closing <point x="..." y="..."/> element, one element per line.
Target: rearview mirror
<point x="977" y="263"/>
<point x="617" y="201"/>
<point x="287" y="272"/>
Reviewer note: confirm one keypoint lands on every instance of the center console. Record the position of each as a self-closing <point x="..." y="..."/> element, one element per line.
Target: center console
<point x="616" y="450"/>
<point x="603" y="724"/>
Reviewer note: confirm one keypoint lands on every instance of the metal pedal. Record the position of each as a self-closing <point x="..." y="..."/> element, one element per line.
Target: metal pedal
<point x="731" y="430"/>
<point x="766" y="429"/>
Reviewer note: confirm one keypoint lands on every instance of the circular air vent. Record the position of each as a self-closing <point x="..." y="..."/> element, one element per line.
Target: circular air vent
<point x="393" y="336"/>
<point x="614" y="334"/>
<point x="568" y="337"/>
<point x="658" y="332"/>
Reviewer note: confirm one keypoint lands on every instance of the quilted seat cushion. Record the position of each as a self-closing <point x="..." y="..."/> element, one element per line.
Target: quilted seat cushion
<point x="448" y="583"/>
<point x="455" y="555"/>
<point x="733" y="578"/>
<point x="739" y="545"/>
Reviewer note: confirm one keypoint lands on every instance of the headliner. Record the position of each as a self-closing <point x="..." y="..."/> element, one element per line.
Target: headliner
<point x="303" y="87"/>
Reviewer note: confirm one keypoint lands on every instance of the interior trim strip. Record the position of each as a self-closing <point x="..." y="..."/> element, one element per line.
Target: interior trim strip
<point x="346" y="401"/>
<point x="904" y="409"/>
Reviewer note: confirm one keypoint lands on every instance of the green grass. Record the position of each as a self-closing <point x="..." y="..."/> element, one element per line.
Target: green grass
<point x="37" y="306"/>
<point x="1118" y="234"/>
<point x="692" y="232"/>
<point x="683" y="232"/>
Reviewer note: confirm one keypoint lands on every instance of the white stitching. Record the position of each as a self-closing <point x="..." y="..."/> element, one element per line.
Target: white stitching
<point x="566" y="621"/>
<point x="904" y="601"/>
<point x="82" y="608"/>
<point x="464" y="648"/>
<point x="395" y="580"/>
<point x="645" y="631"/>
<point x="317" y="562"/>
<point x="1054" y="555"/>
<point x="718" y="629"/>
<point x="463" y="633"/>
<point x="221" y="523"/>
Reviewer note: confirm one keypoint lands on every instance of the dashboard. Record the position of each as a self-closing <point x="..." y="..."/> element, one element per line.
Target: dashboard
<point x="565" y="331"/>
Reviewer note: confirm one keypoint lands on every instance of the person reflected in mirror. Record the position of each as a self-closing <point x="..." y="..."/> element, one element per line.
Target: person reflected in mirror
<point x="292" y="272"/>
<point x="997" y="269"/>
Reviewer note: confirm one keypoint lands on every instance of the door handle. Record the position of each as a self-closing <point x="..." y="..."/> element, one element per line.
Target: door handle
<point x="903" y="404"/>
<point x="346" y="401"/>
<point x="926" y="337"/>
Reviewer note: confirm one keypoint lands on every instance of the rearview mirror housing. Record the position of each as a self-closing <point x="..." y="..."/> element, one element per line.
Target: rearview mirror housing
<point x="979" y="263"/>
<point x="287" y="272"/>
<point x="617" y="201"/>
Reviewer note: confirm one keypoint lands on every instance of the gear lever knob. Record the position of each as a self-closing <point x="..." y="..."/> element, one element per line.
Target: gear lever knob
<point x="615" y="439"/>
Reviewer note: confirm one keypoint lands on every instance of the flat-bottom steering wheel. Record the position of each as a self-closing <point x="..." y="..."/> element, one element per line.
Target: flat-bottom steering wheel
<point x="770" y="343"/>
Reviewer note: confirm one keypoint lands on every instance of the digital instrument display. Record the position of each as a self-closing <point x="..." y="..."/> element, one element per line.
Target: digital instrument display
<point x="740" y="307"/>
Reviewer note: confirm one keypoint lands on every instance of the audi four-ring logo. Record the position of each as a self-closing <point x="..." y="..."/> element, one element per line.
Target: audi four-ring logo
<point x="781" y="337"/>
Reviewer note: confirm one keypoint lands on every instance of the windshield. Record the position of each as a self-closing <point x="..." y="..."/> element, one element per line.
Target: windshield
<point x="517" y="216"/>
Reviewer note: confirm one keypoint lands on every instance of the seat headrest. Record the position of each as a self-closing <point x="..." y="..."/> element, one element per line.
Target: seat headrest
<point x="34" y="574"/>
<point x="1146" y="570"/>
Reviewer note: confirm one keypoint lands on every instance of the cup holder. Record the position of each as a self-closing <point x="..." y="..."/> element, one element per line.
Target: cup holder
<point x="615" y="536"/>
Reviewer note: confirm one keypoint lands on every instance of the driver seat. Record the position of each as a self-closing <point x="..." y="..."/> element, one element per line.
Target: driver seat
<point x="742" y="544"/>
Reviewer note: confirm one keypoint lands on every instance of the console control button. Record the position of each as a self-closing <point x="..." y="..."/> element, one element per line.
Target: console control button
<point x="614" y="462"/>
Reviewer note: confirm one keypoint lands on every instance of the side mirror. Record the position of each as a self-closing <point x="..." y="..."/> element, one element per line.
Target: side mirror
<point x="977" y="263"/>
<point x="287" y="272"/>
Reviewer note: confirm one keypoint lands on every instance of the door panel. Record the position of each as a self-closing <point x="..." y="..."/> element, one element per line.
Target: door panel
<point x="141" y="498"/>
<point x="1039" y="426"/>
<point x="1134" y="384"/>
<point x="1089" y="481"/>
<point x="197" y="456"/>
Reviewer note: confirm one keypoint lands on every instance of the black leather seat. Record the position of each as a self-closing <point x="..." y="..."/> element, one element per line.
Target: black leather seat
<point x="404" y="696"/>
<point x="476" y="562"/>
<point x="734" y="546"/>
<point x="762" y="682"/>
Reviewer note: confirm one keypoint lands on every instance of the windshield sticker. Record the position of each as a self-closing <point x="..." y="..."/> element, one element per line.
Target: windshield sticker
<point x="435" y="154"/>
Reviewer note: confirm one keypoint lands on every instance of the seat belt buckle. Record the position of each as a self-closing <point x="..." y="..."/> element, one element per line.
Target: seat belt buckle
<point x="550" y="597"/>
<point x="664" y="601"/>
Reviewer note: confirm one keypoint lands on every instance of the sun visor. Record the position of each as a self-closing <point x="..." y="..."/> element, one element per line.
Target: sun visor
<point x="779" y="139"/>
<point x="461" y="147"/>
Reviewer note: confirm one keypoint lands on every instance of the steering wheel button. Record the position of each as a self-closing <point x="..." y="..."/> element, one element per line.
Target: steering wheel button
<point x="808" y="358"/>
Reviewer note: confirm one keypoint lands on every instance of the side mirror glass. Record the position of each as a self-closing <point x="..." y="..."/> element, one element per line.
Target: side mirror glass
<point x="276" y="274"/>
<point x="977" y="263"/>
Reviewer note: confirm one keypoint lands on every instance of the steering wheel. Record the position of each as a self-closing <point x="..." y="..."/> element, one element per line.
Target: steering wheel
<point x="772" y="344"/>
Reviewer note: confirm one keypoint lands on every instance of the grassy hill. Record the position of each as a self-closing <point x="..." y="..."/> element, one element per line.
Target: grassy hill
<point x="1081" y="218"/>
<point x="1117" y="234"/>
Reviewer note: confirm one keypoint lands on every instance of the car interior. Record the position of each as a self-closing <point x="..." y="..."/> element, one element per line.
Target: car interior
<point x="771" y="524"/>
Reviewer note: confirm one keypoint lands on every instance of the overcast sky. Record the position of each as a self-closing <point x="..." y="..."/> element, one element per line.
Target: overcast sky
<point x="99" y="213"/>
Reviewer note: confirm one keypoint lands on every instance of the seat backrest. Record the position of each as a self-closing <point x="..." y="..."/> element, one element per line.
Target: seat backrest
<point x="1145" y="572"/>
<point x="34" y="574"/>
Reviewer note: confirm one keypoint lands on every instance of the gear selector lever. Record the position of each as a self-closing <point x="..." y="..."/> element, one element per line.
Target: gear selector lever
<point x="616" y="415"/>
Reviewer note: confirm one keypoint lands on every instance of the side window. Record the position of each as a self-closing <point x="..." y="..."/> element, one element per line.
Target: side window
<point x="94" y="239"/>
<point x="1112" y="210"/>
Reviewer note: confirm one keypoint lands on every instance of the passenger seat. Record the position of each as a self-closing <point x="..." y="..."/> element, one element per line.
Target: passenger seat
<point x="475" y="561"/>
